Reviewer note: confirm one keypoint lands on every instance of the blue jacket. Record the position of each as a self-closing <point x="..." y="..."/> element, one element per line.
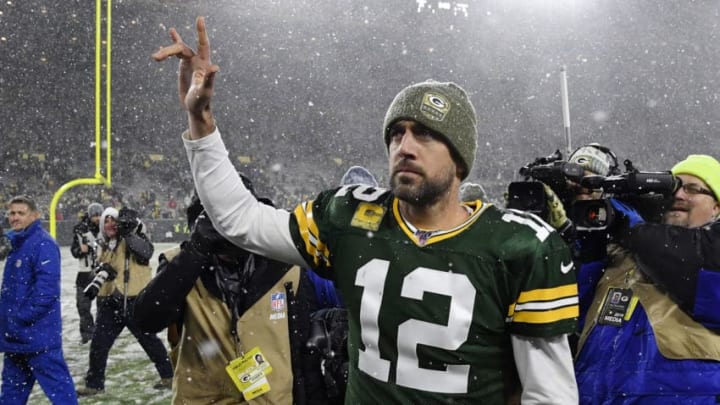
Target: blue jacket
<point x="30" y="318"/>
<point x="625" y="364"/>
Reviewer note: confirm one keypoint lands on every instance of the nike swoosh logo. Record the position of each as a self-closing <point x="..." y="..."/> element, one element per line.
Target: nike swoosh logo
<point x="45" y="262"/>
<point x="565" y="268"/>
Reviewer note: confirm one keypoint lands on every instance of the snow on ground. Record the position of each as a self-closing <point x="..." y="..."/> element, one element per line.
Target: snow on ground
<point x="130" y="374"/>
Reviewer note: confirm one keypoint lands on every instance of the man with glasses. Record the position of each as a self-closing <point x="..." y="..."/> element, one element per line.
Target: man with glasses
<point x="695" y="203"/>
<point x="651" y="334"/>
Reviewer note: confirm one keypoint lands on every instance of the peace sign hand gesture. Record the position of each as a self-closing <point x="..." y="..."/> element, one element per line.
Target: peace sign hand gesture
<point x="196" y="77"/>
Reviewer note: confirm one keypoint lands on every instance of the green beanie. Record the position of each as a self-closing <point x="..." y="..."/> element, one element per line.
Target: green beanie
<point x="442" y="107"/>
<point x="704" y="167"/>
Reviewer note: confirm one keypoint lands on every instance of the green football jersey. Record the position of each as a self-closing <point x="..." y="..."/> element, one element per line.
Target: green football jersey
<point x="430" y="314"/>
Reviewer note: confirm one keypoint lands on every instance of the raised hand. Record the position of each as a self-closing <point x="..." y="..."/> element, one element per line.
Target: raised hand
<point x="196" y="76"/>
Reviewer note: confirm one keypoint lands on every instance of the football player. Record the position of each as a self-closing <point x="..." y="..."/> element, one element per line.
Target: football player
<point x="447" y="301"/>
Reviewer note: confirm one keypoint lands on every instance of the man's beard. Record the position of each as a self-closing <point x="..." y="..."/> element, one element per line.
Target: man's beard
<point x="679" y="218"/>
<point x="422" y="194"/>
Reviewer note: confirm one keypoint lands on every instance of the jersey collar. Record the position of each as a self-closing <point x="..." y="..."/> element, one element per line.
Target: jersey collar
<point x="422" y="237"/>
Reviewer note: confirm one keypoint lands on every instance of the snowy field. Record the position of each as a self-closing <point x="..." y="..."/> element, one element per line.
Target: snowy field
<point x="130" y="374"/>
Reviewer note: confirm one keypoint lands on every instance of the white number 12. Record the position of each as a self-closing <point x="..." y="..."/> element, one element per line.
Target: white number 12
<point x="411" y="333"/>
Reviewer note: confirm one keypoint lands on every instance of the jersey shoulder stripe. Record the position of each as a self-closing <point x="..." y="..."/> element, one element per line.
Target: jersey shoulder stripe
<point x="310" y="234"/>
<point x="313" y="222"/>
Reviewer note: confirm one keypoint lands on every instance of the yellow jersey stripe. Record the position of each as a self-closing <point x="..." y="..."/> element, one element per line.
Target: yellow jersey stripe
<point x="310" y="234"/>
<point x="303" y="227"/>
<point x="548" y="294"/>
<point x="541" y="317"/>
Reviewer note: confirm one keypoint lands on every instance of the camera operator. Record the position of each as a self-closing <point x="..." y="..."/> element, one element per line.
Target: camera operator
<point x="240" y="304"/>
<point x="561" y="188"/>
<point x="84" y="248"/>
<point x="589" y="249"/>
<point x="123" y="271"/>
<point x="651" y="334"/>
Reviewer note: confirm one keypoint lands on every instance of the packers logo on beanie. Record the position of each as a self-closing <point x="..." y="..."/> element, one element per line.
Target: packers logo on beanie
<point x="593" y="159"/>
<point x="442" y="107"/>
<point x="705" y="168"/>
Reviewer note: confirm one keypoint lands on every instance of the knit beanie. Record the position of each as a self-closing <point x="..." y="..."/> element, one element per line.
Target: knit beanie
<point x="442" y="107"/>
<point x="358" y="175"/>
<point x="593" y="159"/>
<point x="704" y="167"/>
<point x="94" y="209"/>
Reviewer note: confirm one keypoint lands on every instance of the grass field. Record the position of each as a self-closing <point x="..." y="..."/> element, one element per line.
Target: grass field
<point x="130" y="374"/>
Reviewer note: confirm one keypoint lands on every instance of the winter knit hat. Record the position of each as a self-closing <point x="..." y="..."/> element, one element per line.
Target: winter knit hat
<point x="358" y="175"/>
<point x="442" y="107"/>
<point x="704" y="167"/>
<point x="591" y="157"/>
<point x="94" y="209"/>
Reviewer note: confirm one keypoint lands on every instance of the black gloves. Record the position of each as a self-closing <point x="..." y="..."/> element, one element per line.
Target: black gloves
<point x="207" y="241"/>
<point x="128" y="222"/>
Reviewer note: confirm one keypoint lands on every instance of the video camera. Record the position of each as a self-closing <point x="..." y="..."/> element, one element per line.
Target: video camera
<point x="650" y="193"/>
<point x="103" y="272"/>
<point x="552" y="170"/>
<point x="128" y="222"/>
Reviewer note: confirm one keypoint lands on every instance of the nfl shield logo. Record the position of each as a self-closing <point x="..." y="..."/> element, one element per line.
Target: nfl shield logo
<point x="277" y="301"/>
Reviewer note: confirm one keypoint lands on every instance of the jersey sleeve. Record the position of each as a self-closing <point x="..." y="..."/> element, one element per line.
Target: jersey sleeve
<point x="316" y="225"/>
<point x="308" y="224"/>
<point x="235" y="212"/>
<point x="547" y="303"/>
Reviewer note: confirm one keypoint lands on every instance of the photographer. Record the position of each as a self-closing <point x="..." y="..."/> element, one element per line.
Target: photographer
<point x="651" y="334"/>
<point x="122" y="272"/>
<point x="85" y="248"/>
<point x="213" y="292"/>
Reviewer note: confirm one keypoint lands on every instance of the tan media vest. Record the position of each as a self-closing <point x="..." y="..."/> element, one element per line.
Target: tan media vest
<point x="677" y="335"/>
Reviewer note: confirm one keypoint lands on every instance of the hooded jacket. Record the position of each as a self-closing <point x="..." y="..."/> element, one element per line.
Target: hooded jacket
<point x="136" y="248"/>
<point x="30" y="317"/>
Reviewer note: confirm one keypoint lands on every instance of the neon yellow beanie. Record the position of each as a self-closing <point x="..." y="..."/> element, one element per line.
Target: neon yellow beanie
<point x="704" y="167"/>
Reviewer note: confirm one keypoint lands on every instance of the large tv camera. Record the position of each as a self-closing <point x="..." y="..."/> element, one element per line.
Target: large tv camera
<point x="650" y="193"/>
<point x="529" y="194"/>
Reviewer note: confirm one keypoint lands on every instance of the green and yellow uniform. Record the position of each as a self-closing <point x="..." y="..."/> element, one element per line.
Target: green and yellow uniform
<point x="431" y="314"/>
